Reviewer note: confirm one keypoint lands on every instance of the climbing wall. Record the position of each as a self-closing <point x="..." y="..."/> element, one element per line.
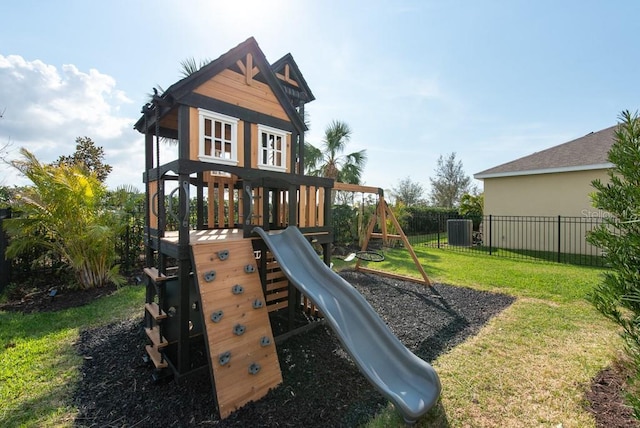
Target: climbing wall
<point x="241" y="346"/>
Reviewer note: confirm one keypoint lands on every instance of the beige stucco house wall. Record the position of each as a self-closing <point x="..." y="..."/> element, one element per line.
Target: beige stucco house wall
<point x="525" y="197"/>
<point x="552" y="194"/>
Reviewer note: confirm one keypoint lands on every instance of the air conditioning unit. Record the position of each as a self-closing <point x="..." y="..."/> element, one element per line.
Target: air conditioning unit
<point x="460" y="232"/>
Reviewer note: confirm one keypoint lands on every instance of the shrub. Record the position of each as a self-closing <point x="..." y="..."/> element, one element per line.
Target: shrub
<point x="618" y="296"/>
<point x="63" y="215"/>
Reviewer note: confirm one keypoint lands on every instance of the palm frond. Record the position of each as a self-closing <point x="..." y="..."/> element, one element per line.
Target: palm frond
<point x="190" y="66"/>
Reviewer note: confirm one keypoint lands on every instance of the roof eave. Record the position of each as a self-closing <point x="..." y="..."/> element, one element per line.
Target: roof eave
<point x="483" y="175"/>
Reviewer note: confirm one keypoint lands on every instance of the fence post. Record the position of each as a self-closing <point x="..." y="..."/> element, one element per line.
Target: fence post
<point x="5" y="265"/>
<point x="559" y="237"/>
<point x="490" y="234"/>
<point x="438" y="227"/>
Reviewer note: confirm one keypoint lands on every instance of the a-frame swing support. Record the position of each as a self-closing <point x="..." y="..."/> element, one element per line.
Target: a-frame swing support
<point x="381" y="214"/>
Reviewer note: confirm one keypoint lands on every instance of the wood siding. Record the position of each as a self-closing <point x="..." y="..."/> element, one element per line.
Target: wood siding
<point x="232" y="87"/>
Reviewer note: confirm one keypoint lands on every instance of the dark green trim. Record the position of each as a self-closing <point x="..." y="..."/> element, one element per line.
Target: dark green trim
<point x="183" y="132"/>
<point x="217" y="106"/>
<point x="247" y="144"/>
<point x="278" y="67"/>
<point x="261" y="177"/>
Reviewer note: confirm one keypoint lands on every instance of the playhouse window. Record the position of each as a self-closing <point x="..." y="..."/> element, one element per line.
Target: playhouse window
<point x="218" y="138"/>
<point x="272" y="148"/>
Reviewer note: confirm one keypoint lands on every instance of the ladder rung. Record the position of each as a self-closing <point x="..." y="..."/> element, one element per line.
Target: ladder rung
<point x="154" y="336"/>
<point x="155" y="311"/>
<point x="156" y="357"/>
<point x="155" y="275"/>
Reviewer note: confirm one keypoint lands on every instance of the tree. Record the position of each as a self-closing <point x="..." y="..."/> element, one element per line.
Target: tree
<point x="89" y="157"/>
<point x="329" y="160"/>
<point x="63" y="214"/>
<point x="189" y="66"/>
<point x="408" y="192"/>
<point x="472" y="206"/>
<point x="450" y="182"/>
<point x="618" y="296"/>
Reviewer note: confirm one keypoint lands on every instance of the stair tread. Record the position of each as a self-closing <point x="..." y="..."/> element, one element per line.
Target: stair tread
<point x="156" y="357"/>
<point x="156" y="276"/>
<point x="154" y="336"/>
<point x="155" y="311"/>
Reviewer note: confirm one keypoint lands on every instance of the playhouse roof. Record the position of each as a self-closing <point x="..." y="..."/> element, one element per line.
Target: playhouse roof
<point x="285" y="68"/>
<point x="584" y="153"/>
<point x="182" y="89"/>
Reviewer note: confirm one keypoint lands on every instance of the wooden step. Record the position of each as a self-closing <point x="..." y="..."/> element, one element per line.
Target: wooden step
<point x="155" y="311"/>
<point x="155" y="276"/>
<point x="154" y="335"/>
<point x="156" y="357"/>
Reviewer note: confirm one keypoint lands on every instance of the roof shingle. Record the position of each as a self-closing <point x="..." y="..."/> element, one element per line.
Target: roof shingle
<point x="584" y="153"/>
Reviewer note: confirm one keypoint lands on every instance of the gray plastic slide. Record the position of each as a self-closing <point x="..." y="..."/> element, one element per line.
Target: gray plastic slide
<point x="410" y="383"/>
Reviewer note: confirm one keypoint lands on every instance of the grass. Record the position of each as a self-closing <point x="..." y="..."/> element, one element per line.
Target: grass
<point x="39" y="365"/>
<point x="529" y="366"/>
<point x="521" y="278"/>
<point x="587" y="259"/>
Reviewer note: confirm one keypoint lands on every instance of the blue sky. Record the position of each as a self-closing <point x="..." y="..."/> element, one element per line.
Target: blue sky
<point x="489" y="80"/>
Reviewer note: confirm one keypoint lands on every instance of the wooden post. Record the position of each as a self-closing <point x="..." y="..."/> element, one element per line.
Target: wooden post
<point x="382" y="212"/>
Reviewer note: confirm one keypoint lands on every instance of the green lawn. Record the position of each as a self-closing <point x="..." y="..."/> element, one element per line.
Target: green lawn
<point x="38" y="363"/>
<point x="529" y="366"/>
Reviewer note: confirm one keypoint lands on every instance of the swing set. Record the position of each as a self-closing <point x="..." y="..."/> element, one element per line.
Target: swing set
<point x="380" y="216"/>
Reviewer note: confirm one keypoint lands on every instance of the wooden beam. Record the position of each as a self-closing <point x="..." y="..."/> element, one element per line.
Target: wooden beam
<point x="406" y="242"/>
<point x="389" y="236"/>
<point x="382" y="213"/>
<point x="356" y="188"/>
<point x="241" y="66"/>
<point x="249" y="71"/>
<point x="365" y="242"/>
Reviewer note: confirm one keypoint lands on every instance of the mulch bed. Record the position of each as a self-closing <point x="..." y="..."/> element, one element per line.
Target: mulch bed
<point x="606" y="399"/>
<point x="321" y="387"/>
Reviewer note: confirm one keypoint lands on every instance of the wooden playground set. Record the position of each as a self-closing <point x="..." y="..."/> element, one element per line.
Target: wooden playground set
<point x="214" y="289"/>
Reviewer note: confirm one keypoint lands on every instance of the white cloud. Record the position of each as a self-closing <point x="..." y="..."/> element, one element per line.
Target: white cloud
<point x="46" y="109"/>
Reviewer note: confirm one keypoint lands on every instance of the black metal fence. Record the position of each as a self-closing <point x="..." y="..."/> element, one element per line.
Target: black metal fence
<point x="558" y="238"/>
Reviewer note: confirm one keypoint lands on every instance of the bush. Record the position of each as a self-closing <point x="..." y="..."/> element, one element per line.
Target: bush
<point x="423" y="220"/>
<point x="63" y="215"/>
<point x="618" y="296"/>
<point x="345" y="224"/>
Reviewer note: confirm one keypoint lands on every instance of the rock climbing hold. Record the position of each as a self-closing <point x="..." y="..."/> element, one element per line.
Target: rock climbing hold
<point x="254" y="368"/>
<point x="217" y="316"/>
<point x="210" y="276"/>
<point x="265" y="341"/>
<point x="224" y="358"/>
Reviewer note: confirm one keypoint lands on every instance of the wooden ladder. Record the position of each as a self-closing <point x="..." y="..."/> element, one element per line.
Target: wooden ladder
<point x="156" y="315"/>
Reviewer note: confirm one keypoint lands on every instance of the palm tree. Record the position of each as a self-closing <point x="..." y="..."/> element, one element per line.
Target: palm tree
<point x="329" y="160"/>
<point x="63" y="214"/>
<point x="189" y="65"/>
